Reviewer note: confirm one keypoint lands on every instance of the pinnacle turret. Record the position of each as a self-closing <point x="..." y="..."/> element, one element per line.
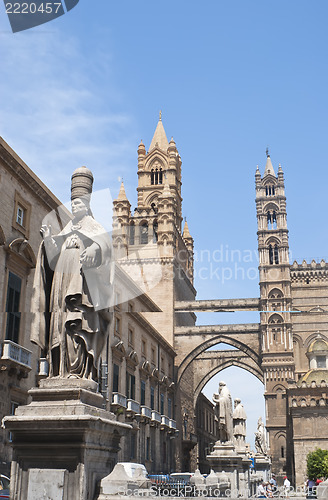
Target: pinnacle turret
<point x="159" y="139"/>
<point x="122" y="194"/>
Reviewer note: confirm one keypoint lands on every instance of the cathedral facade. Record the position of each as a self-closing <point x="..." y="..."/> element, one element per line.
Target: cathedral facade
<point x="157" y="360"/>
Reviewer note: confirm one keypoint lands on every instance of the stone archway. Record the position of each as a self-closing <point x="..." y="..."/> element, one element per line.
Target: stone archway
<point x="209" y="363"/>
<point x="191" y="342"/>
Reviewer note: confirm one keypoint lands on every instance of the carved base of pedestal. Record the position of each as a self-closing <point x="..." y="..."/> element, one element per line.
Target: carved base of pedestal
<point x="64" y="442"/>
<point x="225" y="460"/>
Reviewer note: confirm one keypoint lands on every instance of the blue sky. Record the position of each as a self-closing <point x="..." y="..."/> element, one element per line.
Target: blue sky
<point x="231" y="77"/>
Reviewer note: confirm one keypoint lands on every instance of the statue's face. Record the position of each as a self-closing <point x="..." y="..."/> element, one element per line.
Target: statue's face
<point x="79" y="208"/>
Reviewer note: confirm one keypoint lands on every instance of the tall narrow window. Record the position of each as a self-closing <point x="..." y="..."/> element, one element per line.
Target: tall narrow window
<point x="155" y="232"/>
<point x="270" y="254"/>
<point x="20" y="216"/>
<point x="162" y="404"/>
<point x="130" y="386"/>
<point x="169" y="407"/>
<point x="116" y="377"/>
<point x="131" y="233"/>
<point x="270" y="190"/>
<point x="12" y="307"/>
<point x="142" y="392"/>
<point x="160" y="176"/>
<point x="276" y="254"/>
<point x="156" y="176"/>
<point x="152" y="398"/>
<point x="144" y="234"/>
<point x="152" y="177"/>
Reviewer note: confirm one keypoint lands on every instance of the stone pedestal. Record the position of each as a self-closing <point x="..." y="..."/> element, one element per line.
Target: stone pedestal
<point x="64" y="442"/>
<point x="235" y="467"/>
<point x="262" y="465"/>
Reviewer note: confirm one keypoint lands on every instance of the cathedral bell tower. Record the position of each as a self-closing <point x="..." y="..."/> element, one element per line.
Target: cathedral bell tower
<point x="275" y="300"/>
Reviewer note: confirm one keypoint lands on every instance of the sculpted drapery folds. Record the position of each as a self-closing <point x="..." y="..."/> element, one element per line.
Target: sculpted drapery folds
<point x="260" y="438"/>
<point x="223" y="412"/>
<point x="73" y="289"/>
<point x="239" y="423"/>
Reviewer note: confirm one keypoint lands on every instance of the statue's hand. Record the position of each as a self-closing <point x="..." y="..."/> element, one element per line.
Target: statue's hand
<point x="45" y="231"/>
<point x="89" y="256"/>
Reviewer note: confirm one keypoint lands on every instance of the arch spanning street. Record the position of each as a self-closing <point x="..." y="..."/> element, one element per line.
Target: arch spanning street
<point x="190" y="342"/>
<point x="209" y="363"/>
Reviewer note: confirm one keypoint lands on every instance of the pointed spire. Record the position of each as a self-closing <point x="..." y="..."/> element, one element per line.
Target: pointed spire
<point x="186" y="233"/>
<point x="159" y="139"/>
<point x="268" y="167"/>
<point x="122" y="194"/>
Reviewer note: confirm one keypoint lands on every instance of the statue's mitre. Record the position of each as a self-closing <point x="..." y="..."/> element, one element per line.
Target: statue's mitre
<point x="81" y="185"/>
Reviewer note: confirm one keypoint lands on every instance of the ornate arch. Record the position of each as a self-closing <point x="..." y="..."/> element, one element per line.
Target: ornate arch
<point x="276" y="291"/>
<point x="270" y="206"/>
<point x="229" y="362"/>
<point x="153" y="156"/>
<point x="312" y="337"/>
<point x="279" y="388"/>
<point x="217" y="339"/>
<point x="275" y="319"/>
<point x="152" y="198"/>
<point x="272" y="240"/>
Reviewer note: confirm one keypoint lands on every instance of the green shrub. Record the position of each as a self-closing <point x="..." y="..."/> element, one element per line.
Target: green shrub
<point x="317" y="464"/>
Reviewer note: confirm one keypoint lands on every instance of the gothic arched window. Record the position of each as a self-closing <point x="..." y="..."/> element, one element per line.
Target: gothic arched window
<point x="131" y="233"/>
<point x="272" y="219"/>
<point x="156" y="176"/>
<point x="270" y="190"/>
<point x="276" y="254"/>
<point x="144" y="233"/>
<point x="270" y="254"/>
<point x="273" y="254"/>
<point x="155" y="231"/>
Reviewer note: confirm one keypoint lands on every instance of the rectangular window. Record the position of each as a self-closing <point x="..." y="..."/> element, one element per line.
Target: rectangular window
<point x="321" y="361"/>
<point x="130" y="337"/>
<point x="162" y="364"/>
<point x="152" y="398"/>
<point x="130" y="386"/>
<point x="153" y="355"/>
<point x="169" y="407"/>
<point x="142" y="392"/>
<point x="118" y="326"/>
<point x="143" y="347"/>
<point x="162" y="404"/>
<point x="12" y="307"/>
<point x="20" y="216"/>
<point x="116" y="377"/>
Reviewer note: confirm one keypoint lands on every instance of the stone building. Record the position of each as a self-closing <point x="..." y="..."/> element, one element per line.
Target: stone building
<point x="294" y="335"/>
<point x="25" y="200"/>
<point x="152" y="249"/>
<point x="141" y="380"/>
<point x="206" y="429"/>
<point x="157" y="360"/>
